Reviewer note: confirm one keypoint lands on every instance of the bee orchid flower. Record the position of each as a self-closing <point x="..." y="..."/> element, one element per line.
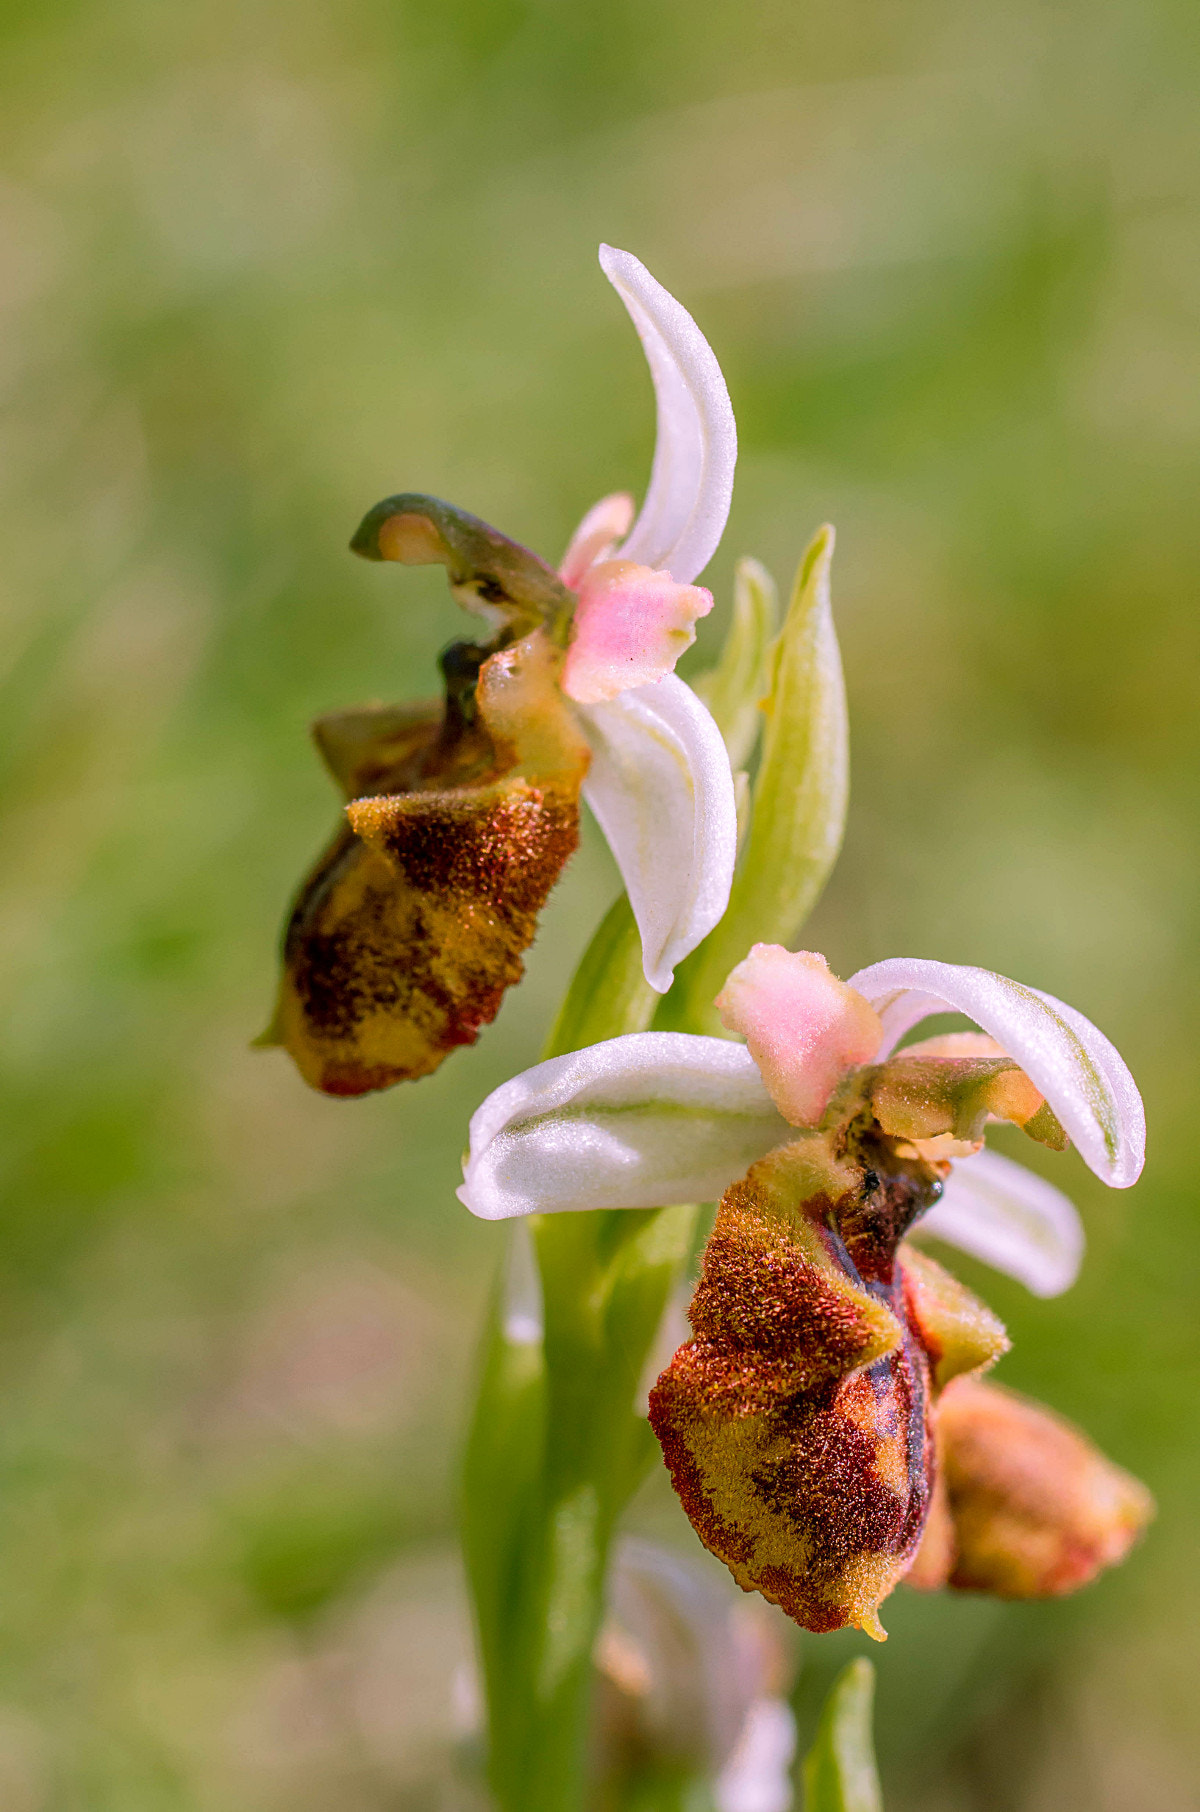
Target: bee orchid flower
<point x="460" y="816"/>
<point x="691" y="1686"/>
<point x="797" y="1422"/>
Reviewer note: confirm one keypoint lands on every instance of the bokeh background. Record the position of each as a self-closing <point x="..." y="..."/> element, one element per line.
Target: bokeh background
<point x="261" y="264"/>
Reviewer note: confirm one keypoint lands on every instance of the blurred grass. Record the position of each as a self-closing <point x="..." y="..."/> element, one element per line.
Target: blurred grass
<point x="260" y="265"/>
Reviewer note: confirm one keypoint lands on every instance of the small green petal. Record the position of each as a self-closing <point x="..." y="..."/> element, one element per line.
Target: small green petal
<point x="489" y="573"/>
<point x="839" y="1770"/>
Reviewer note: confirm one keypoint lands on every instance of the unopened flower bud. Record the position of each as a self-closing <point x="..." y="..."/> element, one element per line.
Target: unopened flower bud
<point x="1031" y="1509"/>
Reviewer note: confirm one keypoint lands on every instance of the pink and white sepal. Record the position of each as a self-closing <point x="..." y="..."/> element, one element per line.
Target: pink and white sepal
<point x="659" y="783"/>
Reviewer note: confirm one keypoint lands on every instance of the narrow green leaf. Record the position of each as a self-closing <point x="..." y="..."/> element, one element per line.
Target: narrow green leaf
<point x="501" y="1495"/>
<point x="799" y="800"/>
<point x="609" y="994"/>
<point x="606" y="1281"/>
<point x="839" y="1769"/>
<point x="734" y="688"/>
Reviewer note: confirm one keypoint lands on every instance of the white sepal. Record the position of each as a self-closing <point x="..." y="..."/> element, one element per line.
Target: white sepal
<point x="1081" y="1074"/>
<point x="691" y="481"/>
<point x="643" y="1121"/>
<point x="662" y="790"/>
<point x="1012" y="1219"/>
<point x="758" y="1775"/>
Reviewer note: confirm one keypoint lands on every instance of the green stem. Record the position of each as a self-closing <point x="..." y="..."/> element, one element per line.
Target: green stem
<point x="607" y="1278"/>
<point x="504" y="1446"/>
<point x="556" y="1448"/>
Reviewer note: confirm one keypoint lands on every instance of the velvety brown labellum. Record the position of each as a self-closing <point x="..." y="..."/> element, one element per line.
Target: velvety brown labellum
<point x="411" y="926"/>
<point x="409" y="929"/>
<point x="795" y="1423"/>
<point x="1028" y="1508"/>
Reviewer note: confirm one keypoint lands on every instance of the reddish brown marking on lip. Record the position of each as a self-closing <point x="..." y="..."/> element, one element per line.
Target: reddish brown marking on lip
<point x="504" y="852"/>
<point x="796" y="1422"/>
<point x="405" y="943"/>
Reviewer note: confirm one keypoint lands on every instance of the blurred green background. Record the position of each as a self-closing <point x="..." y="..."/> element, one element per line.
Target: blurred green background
<point x="263" y="263"/>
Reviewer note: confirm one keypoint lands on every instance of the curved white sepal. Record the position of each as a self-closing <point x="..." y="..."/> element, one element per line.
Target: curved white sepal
<point x="1082" y="1075"/>
<point x="695" y="452"/>
<point x="643" y="1121"/>
<point x="662" y="790"/>
<point x="1012" y="1219"/>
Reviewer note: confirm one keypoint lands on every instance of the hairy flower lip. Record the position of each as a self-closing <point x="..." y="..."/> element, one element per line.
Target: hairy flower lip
<point x="621" y="1124"/>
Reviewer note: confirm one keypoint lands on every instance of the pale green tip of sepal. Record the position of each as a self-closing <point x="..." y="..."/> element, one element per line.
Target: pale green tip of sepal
<point x="839" y="1770"/>
<point x="733" y="689"/>
<point x="798" y="806"/>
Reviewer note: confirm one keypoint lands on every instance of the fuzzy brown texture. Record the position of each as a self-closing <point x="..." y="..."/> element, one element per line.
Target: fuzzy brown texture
<point x="794" y="1421"/>
<point x="412" y="925"/>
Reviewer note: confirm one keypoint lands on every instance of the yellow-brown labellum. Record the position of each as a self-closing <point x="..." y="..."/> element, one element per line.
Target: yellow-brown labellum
<point x="795" y="1422"/>
<point x="411" y="926"/>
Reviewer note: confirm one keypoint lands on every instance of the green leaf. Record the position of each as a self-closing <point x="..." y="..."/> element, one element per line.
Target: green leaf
<point x="502" y="1474"/>
<point x="609" y="994"/>
<point x="799" y="799"/>
<point x="839" y="1770"/>
<point x="734" y="688"/>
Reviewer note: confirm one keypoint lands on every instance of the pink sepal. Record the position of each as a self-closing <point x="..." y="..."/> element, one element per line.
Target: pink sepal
<point x="605" y="524"/>
<point x="804" y="1028"/>
<point x="631" y="626"/>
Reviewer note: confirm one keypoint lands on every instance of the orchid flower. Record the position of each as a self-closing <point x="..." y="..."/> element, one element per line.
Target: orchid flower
<point x="797" y="1421"/>
<point x="692" y="1680"/>
<point x="461" y="817"/>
